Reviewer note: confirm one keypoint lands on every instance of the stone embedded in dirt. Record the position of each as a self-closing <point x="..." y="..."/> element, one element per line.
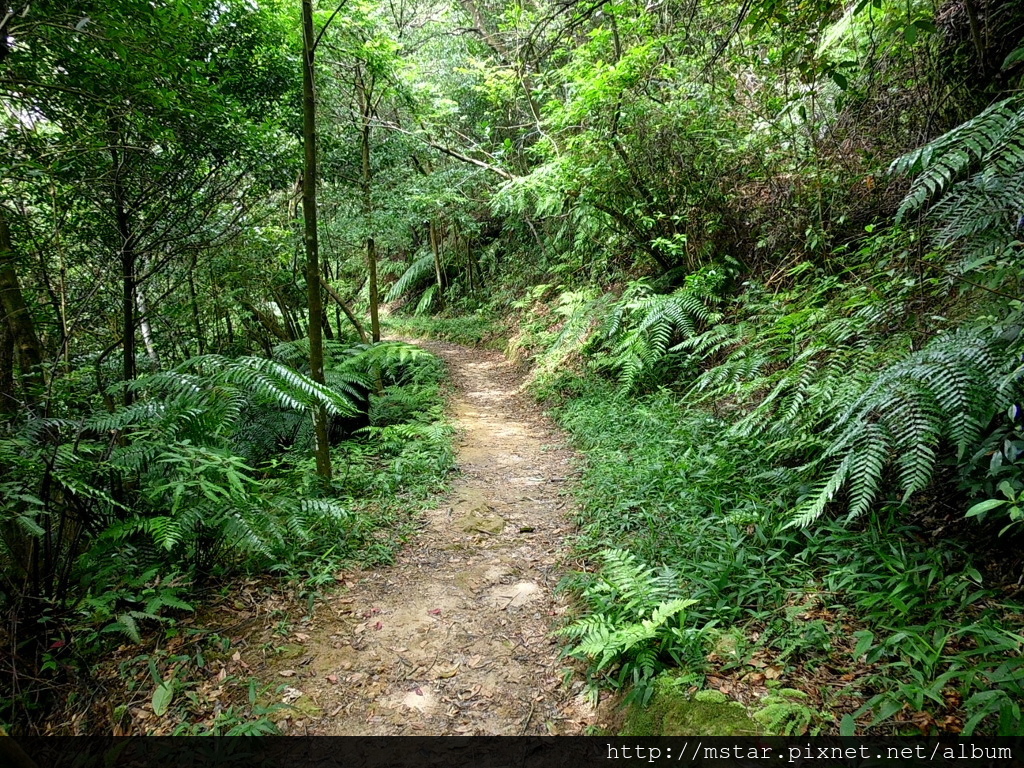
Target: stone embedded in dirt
<point x="290" y="651"/>
<point x="420" y="699"/>
<point x="443" y="673"/>
<point x="506" y="596"/>
<point x="481" y="520"/>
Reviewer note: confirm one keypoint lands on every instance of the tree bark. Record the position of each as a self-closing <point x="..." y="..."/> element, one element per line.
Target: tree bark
<point x="366" y="109"/>
<point x="8" y="401"/>
<point x="435" y="249"/>
<point x="197" y="323"/>
<point x="309" y="178"/>
<point x="18" y="320"/>
<point x="146" y="327"/>
<point x="128" y="269"/>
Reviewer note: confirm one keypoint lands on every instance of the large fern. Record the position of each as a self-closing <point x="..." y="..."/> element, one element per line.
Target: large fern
<point x="413" y="277"/>
<point x="645" y="327"/>
<point x="946" y="392"/>
<point x="971" y="177"/>
<point x="634" y="622"/>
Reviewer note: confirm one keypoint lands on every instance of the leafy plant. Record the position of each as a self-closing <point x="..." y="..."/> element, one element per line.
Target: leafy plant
<point x="1012" y="505"/>
<point x="646" y="327"/>
<point x="634" y="624"/>
<point x="947" y="391"/>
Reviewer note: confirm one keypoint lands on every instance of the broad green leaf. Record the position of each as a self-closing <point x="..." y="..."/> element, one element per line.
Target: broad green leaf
<point x="984" y="506"/>
<point x="163" y="695"/>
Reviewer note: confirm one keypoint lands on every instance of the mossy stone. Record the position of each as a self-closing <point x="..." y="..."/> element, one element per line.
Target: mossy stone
<point x="672" y="712"/>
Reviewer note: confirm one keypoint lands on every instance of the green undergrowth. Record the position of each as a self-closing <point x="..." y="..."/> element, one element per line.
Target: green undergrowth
<point x="234" y="502"/>
<point x="901" y="626"/>
<point x="470" y="330"/>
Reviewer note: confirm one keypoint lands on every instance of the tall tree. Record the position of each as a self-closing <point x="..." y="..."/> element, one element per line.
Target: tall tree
<point x="312" y="246"/>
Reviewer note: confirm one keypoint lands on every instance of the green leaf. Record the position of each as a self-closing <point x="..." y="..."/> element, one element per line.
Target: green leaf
<point x="864" y="641"/>
<point x="1013" y="58"/>
<point x="163" y="694"/>
<point x="847" y="726"/>
<point x="984" y="506"/>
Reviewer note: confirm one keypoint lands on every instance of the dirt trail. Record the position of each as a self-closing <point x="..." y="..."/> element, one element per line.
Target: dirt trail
<point x="454" y="638"/>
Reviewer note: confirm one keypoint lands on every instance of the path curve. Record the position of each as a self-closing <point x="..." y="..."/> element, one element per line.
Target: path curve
<point x="455" y="637"/>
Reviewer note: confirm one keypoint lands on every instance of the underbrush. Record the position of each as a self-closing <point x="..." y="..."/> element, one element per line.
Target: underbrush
<point x="471" y="330"/>
<point x="884" y="624"/>
<point x="228" y="511"/>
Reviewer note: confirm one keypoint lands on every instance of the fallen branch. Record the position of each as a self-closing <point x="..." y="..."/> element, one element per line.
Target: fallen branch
<point x="344" y="308"/>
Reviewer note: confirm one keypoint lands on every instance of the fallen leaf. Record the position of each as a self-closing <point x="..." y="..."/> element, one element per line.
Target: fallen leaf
<point x="378" y="625"/>
<point x="773" y="673"/>
<point x="287" y="673"/>
<point x="446" y="672"/>
<point x="333" y="679"/>
<point x="418" y="691"/>
<point x="434" y="611"/>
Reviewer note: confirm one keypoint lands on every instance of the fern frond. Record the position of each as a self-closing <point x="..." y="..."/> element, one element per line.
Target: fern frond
<point x="417" y="272"/>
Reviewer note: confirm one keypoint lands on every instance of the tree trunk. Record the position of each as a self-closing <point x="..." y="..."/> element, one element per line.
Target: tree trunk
<point x="344" y="308"/>
<point x="316" y="343"/>
<point x="128" y="275"/>
<point x="366" y="108"/>
<point x="197" y="324"/>
<point x="8" y="401"/>
<point x="147" y="329"/>
<point x="19" y="322"/>
<point x="435" y="248"/>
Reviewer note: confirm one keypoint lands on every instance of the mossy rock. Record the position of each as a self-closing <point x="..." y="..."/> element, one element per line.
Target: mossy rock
<point x="672" y="712"/>
<point x="290" y="651"/>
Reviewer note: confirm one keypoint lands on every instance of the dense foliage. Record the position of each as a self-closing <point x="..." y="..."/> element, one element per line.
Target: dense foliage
<point x="763" y="258"/>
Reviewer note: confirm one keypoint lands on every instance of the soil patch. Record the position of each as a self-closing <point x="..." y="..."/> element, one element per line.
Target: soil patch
<point x="455" y="637"/>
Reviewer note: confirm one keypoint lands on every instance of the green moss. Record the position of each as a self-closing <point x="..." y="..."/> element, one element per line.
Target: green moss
<point x="672" y="712"/>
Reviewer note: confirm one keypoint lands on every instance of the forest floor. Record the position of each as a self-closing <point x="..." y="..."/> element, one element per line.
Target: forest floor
<point x="456" y="636"/>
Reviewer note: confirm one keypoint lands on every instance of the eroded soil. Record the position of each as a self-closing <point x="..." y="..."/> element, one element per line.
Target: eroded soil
<point x="455" y="637"/>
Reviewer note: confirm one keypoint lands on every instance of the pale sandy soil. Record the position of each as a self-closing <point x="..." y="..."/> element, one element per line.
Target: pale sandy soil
<point x="455" y="637"/>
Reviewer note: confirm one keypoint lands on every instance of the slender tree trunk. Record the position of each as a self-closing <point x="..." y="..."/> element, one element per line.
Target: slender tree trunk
<point x="128" y="275"/>
<point x="366" y="108"/>
<point x="371" y="269"/>
<point x="147" y="329"/>
<point x="435" y="248"/>
<point x="18" y="320"/>
<point x="8" y="401"/>
<point x="309" y="177"/>
<point x="344" y="308"/>
<point x="290" y="323"/>
<point x="975" y="26"/>
<point x="197" y="324"/>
